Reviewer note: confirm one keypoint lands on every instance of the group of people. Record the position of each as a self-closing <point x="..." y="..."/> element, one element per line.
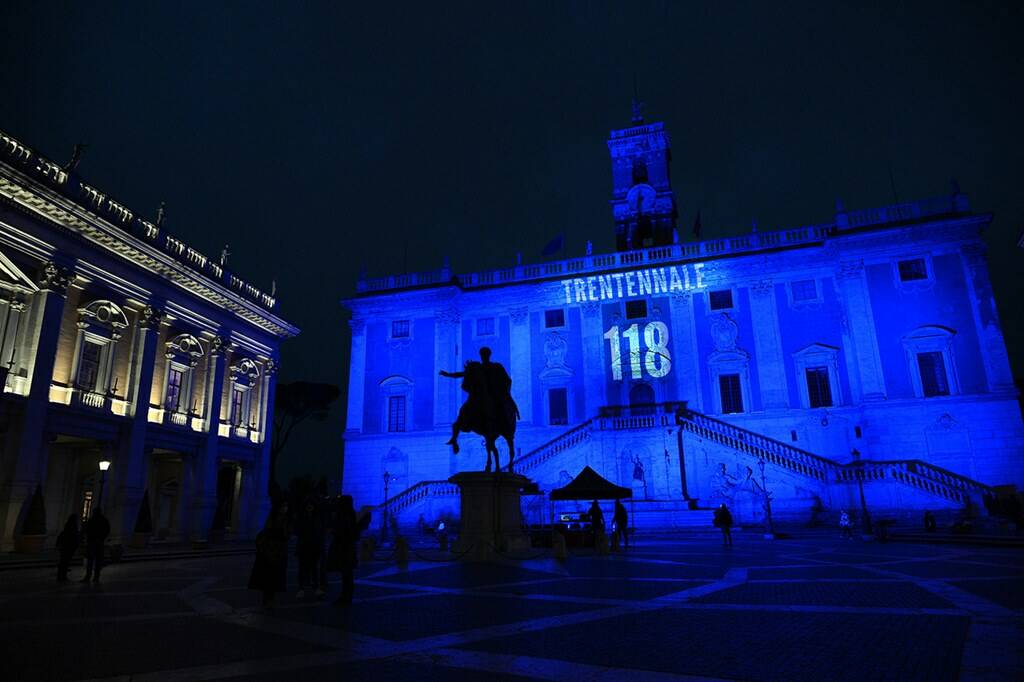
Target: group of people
<point x="620" y="521"/>
<point x="95" y="531"/>
<point x="327" y="532"/>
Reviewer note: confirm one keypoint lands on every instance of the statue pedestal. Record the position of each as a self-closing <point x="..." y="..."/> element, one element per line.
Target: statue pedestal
<point x="492" y="520"/>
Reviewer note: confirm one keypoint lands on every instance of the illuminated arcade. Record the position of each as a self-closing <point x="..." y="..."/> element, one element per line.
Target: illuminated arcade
<point x="854" y="362"/>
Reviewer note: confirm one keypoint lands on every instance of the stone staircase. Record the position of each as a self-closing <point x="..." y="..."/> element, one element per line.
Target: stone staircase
<point x="916" y="474"/>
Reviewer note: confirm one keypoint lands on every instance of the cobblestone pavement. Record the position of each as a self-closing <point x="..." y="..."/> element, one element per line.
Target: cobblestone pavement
<point x="814" y="607"/>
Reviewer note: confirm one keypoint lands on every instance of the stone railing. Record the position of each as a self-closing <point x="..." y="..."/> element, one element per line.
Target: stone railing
<point x="569" y="439"/>
<point x="916" y="474"/>
<point x="91" y="399"/>
<point x="422" y="490"/>
<point x="712" y="248"/>
<point x="71" y="187"/>
<point x="177" y="418"/>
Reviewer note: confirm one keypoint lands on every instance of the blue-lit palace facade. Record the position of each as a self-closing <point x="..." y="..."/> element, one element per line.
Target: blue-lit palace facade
<point x="862" y="354"/>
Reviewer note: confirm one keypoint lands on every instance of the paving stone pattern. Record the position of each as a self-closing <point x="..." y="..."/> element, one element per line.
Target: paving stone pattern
<point x="811" y="607"/>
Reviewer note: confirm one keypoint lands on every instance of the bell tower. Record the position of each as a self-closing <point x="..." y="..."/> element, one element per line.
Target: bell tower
<point x="642" y="201"/>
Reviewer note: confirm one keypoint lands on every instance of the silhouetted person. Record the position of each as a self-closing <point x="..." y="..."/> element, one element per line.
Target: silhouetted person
<point x="723" y="521"/>
<point x="309" y="533"/>
<point x="621" y="522"/>
<point x="846" y="524"/>
<point x="97" y="528"/>
<point x="929" y="522"/>
<point x="596" y="521"/>
<point x="270" y="569"/>
<point x="67" y="545"/>
<point x="343" y="556"/>
<point x="489" y="405"/>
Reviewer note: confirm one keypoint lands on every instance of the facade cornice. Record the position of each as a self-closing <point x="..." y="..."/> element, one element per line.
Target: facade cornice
<point x="98" y="231"/>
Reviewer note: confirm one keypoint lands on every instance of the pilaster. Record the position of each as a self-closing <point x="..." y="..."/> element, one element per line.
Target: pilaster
<point x="261" y="472"/>
<point x="26" y="464"/>
<point x="131" y="462"/>
<point x="356" y="377"/>
<point x="520" y="362"/>
<point x="446" y="357"/>
<point x="203" y="483"/>
<point x="771" y="365"/>
<point x="686" y="359"/>
<point x="859" y="328"/>
<point x="986" y="318"/>
<point x="593" y="367"/>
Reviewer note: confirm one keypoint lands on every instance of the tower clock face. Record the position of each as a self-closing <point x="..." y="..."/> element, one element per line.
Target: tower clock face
<point x="641" y="198"/>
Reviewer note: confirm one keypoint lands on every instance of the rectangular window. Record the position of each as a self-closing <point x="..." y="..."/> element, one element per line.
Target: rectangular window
<point x="933" y="374"/>
<point x="396" y="413"/>
<point x="636" y="310"/>
<point x="400" y="329"/>
<point x="732" y="396"/>
<point x="485" y="326"/>
<point x="913" y="269"/>
<point x="558" y="406"/>
<point x="554" y="318"/>
<point x="237" y="406"/>
<point x="804" y="290"/>
<point x="818" y="390"/>
<point x="89" y="365"/>
<point x="720" y="300"/>
<point x="174" y="377"/>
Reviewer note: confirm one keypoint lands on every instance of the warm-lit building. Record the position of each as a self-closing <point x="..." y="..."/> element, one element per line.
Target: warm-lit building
<point x="863" y="352"/>
<point x="119" y="342"/>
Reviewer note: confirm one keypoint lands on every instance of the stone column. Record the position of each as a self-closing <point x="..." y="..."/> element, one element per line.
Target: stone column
<point x="13" y="314"/>
<point x="131" y="462"/>
<point x="356" y="377"/>
<point x="25" y="454"/>
<point x="685" y="358"/>
<point x="261" y="471"/>
<point x="446" y="357"/>
<point x="593" y="367"/>
<point x="771" y="365"/>
<point x="859" y="329"/>
<point x="203" y="479"/>
<point x="986" y="319"/>
<point x="520" y="362"/>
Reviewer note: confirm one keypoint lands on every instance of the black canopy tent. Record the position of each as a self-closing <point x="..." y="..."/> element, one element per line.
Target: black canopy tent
<point x="590" y="485"/>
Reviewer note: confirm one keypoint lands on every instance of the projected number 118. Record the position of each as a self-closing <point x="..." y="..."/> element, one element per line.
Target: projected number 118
<point x="656" y="359"/>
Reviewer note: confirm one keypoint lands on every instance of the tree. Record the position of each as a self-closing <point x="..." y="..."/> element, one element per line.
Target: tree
<point x="294" y="403"/>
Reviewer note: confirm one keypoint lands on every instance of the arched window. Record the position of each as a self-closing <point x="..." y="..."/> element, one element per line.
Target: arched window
<point x="183" y="353"/>
<point x="100" y="324"/>
<point x="245" y="376"/>
<point x="641" y="399"/>
<point x="396" y="392"/>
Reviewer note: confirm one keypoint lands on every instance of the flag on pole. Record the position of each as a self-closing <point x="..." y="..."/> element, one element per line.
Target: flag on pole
<point x="696" y="226"/>
<point x="554" y="246"/>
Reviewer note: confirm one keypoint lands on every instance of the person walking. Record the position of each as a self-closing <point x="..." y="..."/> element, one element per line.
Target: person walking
<point x="270" y="569"/>
<point x="596" y="523"/>
<point x="846" y="524"/>
<point x="67" y="545"/>
<point x="723" y="521"/>
<point x="97" y="528"/>
<point x="621" y="520"/>
<point x="342" y="556"/>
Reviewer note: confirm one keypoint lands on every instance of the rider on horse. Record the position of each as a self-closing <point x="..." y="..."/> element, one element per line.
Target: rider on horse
<point x="489" y="406"/>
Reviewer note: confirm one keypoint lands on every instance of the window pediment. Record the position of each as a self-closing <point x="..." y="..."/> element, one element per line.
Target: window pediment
<point x="103" y="313"/>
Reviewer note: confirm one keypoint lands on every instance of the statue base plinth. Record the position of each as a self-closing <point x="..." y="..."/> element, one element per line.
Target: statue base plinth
<point x="492" y="520"/>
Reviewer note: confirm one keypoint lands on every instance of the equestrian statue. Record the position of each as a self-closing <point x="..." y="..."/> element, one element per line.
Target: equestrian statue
<point x="489" y="410"/>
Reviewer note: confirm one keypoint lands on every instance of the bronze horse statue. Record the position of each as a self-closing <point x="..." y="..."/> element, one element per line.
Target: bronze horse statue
<point x="484" y="413"/>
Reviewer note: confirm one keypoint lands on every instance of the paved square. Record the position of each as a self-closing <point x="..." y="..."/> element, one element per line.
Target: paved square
<point x="813" y="607"/>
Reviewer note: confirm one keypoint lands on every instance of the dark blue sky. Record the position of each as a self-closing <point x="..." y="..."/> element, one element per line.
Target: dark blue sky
<point x="319" y="137"/>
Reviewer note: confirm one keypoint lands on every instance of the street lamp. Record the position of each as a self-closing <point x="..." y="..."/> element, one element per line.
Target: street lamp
<point x="864" y="517"/>
<point x="104" y="465"/>
<point x="384" y="528"/>
<point x="770" y="535"/>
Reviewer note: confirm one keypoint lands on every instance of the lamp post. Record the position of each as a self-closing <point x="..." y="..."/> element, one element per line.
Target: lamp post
<point x="865" y="518"/>
<point x="770" y="534"/>
<point x="384" y="517"/>
<point x="104" y="465"/>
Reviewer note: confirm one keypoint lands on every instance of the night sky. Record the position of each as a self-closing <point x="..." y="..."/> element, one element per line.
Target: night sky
<point x="319" y="138"/>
